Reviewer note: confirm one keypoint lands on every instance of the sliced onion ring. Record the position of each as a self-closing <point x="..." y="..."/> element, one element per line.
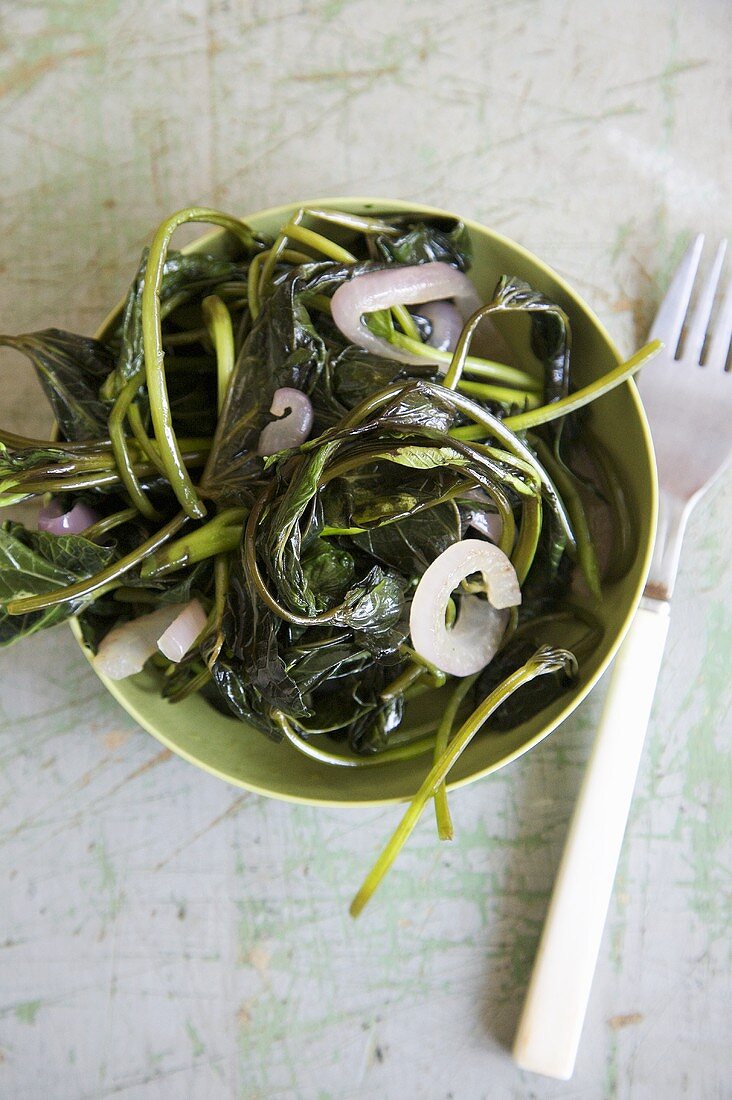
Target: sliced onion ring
<point x="446" y="323"/>
<point x="292" y="429"/>
<point x="175" y="642"/>
<point x="394" y="286"/>
<point x="53" y="519"/>
<point x="474" y="639"/>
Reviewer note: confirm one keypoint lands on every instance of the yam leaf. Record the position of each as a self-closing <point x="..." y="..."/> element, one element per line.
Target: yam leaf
<point x="71" y="370"/>
<point x="283" y="349"/>
<point x="551" y="335"/>
<point x="185" y="277"/>
<point x="32" y="562"/>
<point x="412" y="543"/>
<point x="423" y="242"/>
<point x="355" y="374"/>
<point x="328" y="569"/>
<point x="374" y="610"/>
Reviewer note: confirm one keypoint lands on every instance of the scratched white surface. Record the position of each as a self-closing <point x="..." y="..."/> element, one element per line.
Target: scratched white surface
<point x="163" y="935"/>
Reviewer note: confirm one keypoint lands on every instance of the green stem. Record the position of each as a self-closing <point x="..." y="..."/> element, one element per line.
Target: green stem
<point x="565" y="482"/>
<point x="469" y="432"/>
<point x="85" y="587"/>
<point x="157" y="389"/>
<point x="102" y="479"/>
<point x="442" y="810"/>
<point x="270" y="263"/>
<point x="221" y="331"/>
<point x="146" y="445"/>
<point x="116" y="428"/>
<point x="254" y="275"/>
<point x="104" y="526"/>
<point x="221" y="589"/>
<point x="188" y="336"/>
<point x="486" y="392"/>
<point x="361" y="223"/>
<point x="388" y="756"/>
<point x="584" y="396"/>
<point x="486" y="368"/>
<point x="24" y="442"/>
<point x="622" y="524"/>
<point x="189" y="687"/>
<point x="292" y="230"/>
<point x="333" y="251"/>
<point x="523" y="553"/>
<point x="218" y="536"/>
<point x="437" y="676"/>
<point x="543" y="661"/>
<point x="404" y="680"/>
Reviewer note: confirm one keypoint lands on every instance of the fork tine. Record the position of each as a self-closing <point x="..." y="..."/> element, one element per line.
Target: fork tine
<point x="697" y="332"/>
<point x="718" y="348"/>
<point x="670" y="317"/>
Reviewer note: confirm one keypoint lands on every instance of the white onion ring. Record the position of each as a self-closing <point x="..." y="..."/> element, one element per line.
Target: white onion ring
<point x="392" y="286"/>
<point x="291" y="430"/>
<point x="474" y="639"/>
<point x="446" y="323"/>
<point x="53" y="519"/>
<point x="125" y="649"/>
<point x="175" y="642"/>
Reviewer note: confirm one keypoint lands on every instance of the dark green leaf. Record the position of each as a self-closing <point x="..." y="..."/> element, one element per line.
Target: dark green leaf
<point x="413" y="543"/>
<point x="34" y="562"/>
<point x="327" y="569"/>
<point x="283" y="349"/>
<point x="425" y="242"/>
<point x="372" y="731"/>
<point x="71" y="369"/>
<point x="374" y="611"/>
<point x="551" y="335"/>
<point x="186" y="276"/>
<point x="355" y="374"/>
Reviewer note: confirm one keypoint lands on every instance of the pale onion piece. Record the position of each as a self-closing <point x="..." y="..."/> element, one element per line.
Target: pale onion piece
<point x="489" y="524"/>
<point x="57" y="522"/>
<point x="292" y="429"/>
<point x="446" y="323"/>
<point x="125" y="649"/>
<point x="392" y="286"/>
<point x="175" y="642"/>
<point x="474" y="639"/>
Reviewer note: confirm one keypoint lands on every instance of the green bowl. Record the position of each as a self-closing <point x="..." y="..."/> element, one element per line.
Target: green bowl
<point x="242" y="755"/>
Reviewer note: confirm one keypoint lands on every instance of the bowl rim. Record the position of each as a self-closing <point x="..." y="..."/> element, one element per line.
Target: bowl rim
<point x="399" y="206"/>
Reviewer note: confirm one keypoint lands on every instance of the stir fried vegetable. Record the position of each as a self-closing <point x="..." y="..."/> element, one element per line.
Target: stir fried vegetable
<point x="292" y="479"/>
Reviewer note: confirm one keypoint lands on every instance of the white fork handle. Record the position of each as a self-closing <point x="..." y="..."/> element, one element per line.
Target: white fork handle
<point x="556" y="1001"/>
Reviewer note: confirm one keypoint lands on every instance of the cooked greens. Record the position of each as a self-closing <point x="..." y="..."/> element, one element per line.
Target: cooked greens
<point x="306" y="562"/>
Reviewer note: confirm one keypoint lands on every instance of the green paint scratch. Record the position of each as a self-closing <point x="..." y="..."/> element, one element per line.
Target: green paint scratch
<point x="610" y="1089"/>
<point x="108" y="883"/>
<point x="196" y="1041"/>
<point x="621" y="239"/>
<point x="27" y="1011"/>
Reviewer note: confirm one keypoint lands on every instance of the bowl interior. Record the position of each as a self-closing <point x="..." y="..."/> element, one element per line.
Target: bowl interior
<point x="243" y="756"/>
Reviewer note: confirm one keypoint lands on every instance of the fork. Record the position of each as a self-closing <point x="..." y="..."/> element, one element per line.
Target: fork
<point x="687" y="396"/>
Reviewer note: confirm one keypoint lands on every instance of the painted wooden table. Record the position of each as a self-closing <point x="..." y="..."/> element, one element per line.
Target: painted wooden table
<point x="163" y="935"/>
